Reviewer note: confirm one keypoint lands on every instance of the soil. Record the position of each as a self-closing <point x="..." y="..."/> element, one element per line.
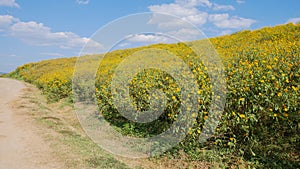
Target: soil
<point x="21" y="145"/>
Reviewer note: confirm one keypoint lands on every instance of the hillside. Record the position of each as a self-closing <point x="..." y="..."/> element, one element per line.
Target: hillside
<point x="260" y="124"/>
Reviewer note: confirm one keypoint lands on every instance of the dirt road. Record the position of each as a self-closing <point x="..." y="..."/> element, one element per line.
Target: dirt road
<point x="20" y="144"/>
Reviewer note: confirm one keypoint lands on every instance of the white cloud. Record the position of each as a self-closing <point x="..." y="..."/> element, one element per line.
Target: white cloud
<point x="191" y="11"/>
<point x="6" y="21"/>
<point x="184" y="9"/>
<point x="165" y="22"/>
<point x="293" y="20"/>
<point x="198" y="19"/>
<point x="235" y="22"/>
<point x="91" y="46"/>
<point x="174" y="9"/>
<point x="52" y="54"/>
<point x="218" y="7"/>
<point x="193" y="3"/>
<point x="82" y="2"/>
<point x="124" y="44"/>
<point x="9" y="3"/>
<point x="199" y="13"/>
<point x="144" y="38"/>
<point x="38" y="34"/>
<point x="175" y="36"/>
<point x="240" y="1"/>
<point x="186" y="34"/>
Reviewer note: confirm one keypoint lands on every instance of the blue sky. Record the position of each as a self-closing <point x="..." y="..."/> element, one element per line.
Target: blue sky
<point x="44" y="29"/>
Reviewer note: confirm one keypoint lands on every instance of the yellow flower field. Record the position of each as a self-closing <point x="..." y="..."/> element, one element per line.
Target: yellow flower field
<point x="263" y="101"/>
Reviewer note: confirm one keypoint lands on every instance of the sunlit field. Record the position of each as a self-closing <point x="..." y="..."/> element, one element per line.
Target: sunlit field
<point x="260" y="123"/>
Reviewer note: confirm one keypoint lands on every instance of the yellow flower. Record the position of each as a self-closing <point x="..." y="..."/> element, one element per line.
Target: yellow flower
<point x="242" y="116"/>
<point x="199" y="131"/>
<point x="285" y="115"/>
<point x="279" y="94"/>
<point x="205" y="117"/>
<point x="190" y="131"/>
<point x="231" y="139"/>
<point x="285" y="109"/>
<point x="287" y="80"/>
<point x="195" y="121"/>
<point x="275" y="115"/>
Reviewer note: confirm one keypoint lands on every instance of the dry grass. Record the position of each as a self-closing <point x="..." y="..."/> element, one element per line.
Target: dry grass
<point x="60" y="127"/>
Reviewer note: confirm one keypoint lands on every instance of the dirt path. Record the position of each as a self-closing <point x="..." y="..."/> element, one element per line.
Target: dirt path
<point x="20" y="144"/>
